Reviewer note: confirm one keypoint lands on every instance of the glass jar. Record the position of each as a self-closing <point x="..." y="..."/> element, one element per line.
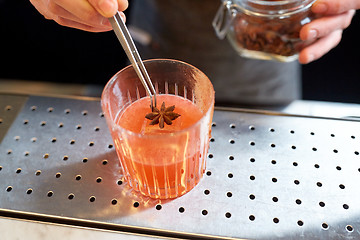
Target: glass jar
<point x="264" y="29"/>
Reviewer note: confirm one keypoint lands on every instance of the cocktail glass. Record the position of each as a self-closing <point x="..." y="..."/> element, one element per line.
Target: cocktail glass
<point x="161" y="162"/>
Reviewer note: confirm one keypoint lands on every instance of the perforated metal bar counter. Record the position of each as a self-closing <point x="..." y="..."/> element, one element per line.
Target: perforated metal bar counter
<point x="268" y="176"/>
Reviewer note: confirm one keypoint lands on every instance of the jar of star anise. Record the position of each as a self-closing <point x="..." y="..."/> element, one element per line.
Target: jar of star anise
<point x="264" y="29"/>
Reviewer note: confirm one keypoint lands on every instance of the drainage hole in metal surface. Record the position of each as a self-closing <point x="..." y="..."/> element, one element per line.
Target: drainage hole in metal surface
<point x="8" y="108"/>
<point x="292" y="131"/>
<point x="46" y="155"/>
<point x="212" y="139"/>
<point x="34" y="139"/>
<point x="356" y="153"/>
<point x="85" y="160"/>
<point x="321" y="204"/>
<point x="37" y="173"/>
<point x="276" y="220"/>
<point x="84" y="113"/>
<point x="91" y="199"/>
<point x="252" y="177"/>
<point x="58" y="175"/>
<point x="65" y="158"/>
<point x="17" y="138"/>
<point x="295" y="164"/>
<point x="50" y="109"/>
<point x="275" y="199"/>
<point x="342" y="186"/>
<point x="335" y="151"/>
<point x="72" y="142"/>
<point x="104" y="162"/>
<point x="252" y="196"/>
<point x="345" y="206"/>
<point x="252" y="143"/>
<point x="319" y="184"/>
<point x="110" y="146"/>
<point x="10" y="151"/>
<point x="33" y="108"/>
<point x="98" y="180"/>
<point x="18" y="170"/>
<point x="252" y="159"/>
<point x="228" y="215"/>
<point x="213" y="124"/>
<point x="207" y="192"/>
<point x="25" y="122"/>
<point x="53" y="140"/>
<point x="43" y="123"/>
<point x="158" y="207"/>
<point x="101" y="115"/>
<point x="91" y="144"/>
<point x="316" y="166"/>
<point x="50" y="193"/>
<point x="1" y="168"/>
<point x="208" y="173"/>
<point x="231" y="157"/>
<point x="204" y="212"/>
<point x="78" y="177"/>
<point x="71" y="196"/>
<point x="272" y="145"/>
<point x="312" y="133"/>
<point x="96" y="129"/>
<point x="26" y="154"/>
<point x="349" y="228"/>
<point x="298" y="201"/>
<point x="9" y="188"/>
<point x="272" y="130"/>
<point x="314" y="149"/>
<point x="232" y="125"/>
<point x="332" y="135"/>
<point x="181" y="209"/>
<point x="119" y="182"/>
<point x="251" y="217"/>
<point x="300" y="223"/>
<point x="293" y="147"/>
<point x="78" y="127"/>
<point x="297" y="182"/>
<point x="325" y="226"/>
<point x="61" y="125"/>
<point x="252" y="127"/>
<point x="67" y="111"/>
<point x="210" y="155"/>
<point x="137" y="204"/>
<point x="274" y="180"/>
<point x="273" y="161"/>
<point x="353" y="137"/>
<point x="229" y="194"/>
<point x="29" y="191"/>
<point x="230" y="175"/>
<point x="231" y="141"/>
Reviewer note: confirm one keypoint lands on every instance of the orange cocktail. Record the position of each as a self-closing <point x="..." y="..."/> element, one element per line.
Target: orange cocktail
<point x="161" y="162"/>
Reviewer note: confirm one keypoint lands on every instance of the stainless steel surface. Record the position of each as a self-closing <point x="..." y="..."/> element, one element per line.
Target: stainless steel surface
<point x="268" y="176"/>
<point x="132" y="53"/>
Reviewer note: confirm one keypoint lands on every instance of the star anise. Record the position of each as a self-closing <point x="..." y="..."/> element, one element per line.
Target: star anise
<point x="164" y="115"/>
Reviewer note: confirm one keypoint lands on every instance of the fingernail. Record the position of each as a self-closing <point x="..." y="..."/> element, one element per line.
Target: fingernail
<point x="313" y="34"/>
<point x="319" y="8"/>
<point x="106" y="7"/>
<point x="310" y="58"/>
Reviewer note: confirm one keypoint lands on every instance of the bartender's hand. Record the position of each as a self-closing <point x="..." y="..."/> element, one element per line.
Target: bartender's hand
<point x="326" y="30"/>
<point x="88" y="15"/>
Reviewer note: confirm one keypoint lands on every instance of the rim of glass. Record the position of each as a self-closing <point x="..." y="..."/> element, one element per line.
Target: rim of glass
<point x="127" y="131"/>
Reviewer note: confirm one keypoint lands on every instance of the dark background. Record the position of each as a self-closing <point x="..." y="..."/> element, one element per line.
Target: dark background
<point x="33" y="48"/>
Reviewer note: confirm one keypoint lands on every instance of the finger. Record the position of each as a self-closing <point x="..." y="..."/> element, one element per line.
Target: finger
<point x="83" y="10"/>
<point x="324" y="26"/>
<point x="73" y="24"/>
<point x="106" y="8"/>
<point x="334" y="6"/>
<point x="320" y="47"/>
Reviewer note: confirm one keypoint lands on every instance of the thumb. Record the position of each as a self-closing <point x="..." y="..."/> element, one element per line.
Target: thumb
<point x="106" y="8"/>
<point x="334" y="6"/>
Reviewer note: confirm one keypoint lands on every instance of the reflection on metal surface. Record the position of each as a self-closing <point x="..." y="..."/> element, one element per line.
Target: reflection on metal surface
<point x="268" y="176"/>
